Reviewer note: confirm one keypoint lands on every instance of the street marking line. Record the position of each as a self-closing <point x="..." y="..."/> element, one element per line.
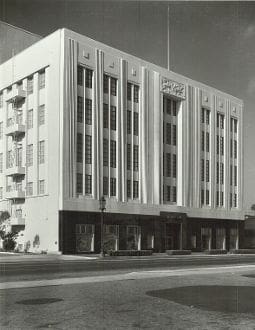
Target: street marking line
<point x="121" y="277"/>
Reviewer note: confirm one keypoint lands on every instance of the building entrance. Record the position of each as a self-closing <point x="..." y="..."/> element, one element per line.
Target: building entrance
<point x="133" y="238"/>
<point x="172" y="236"/>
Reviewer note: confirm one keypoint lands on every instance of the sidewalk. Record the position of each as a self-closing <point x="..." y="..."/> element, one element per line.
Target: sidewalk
<point x="14" y="257"/>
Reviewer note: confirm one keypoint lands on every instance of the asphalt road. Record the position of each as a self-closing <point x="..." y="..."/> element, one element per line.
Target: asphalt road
<point x="55" y="267"/>
<point x="219" y="297"/>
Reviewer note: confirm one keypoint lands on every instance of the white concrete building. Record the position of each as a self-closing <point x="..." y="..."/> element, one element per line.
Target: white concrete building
<point x="79" y="120"/>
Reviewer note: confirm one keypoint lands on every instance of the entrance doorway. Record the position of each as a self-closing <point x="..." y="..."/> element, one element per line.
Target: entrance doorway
<point x="206" y="238"/>
<point x="172" y="236"/>
<point x="133" y="238"/>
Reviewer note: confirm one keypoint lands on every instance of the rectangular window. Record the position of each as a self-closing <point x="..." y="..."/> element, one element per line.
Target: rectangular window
<point x="88" y="112"/>
<point x="113" y="154"/>
<point x="105" y="152"/>
<point x="41" y="115"/>
<point x="129" y="91"/>
<point x="113" y="86"/>
<point x="168" y="106"/>
<point x="106" y="89"/>
<point x="231" y="147"/>
<point x="222" y="145"/>
<point x="235" y="125"/>
<point x="174" y="135"/>
<point x="1" y="163"/>
<point x="207" y="142"/>
<point x="30" y="119"/>
<point x="30" y="83"/>
<point x="105" y="185"/>
<point x="235" y="175"/>
<point x="221" y="173"/>
<point x="128" y="122"/>
<point x="113" y="186"/>
<point x="203" y="116"/>
<point x="235" y="200"/>
<point x="208" y="117"/>
<point x="106" y="115"/>
<point x="167" y="193"/>
<point x="217" y="173"/>
<point x="221" y="198"/>
<point x="174" y="108"/>
<point x="41" y="152"/>
<point x="174" y="195"/>
<point x="1" y="192"/>
<point x="128" y="156"/>
<point x="202" y="170"/>
<point x="218" y="120"/>
<point x="113" y="117"/>
<point x="30" y="155"/>
<point x="168" y="133"/>
<point x="203" y="141"/>
<point x="9" y="159"/>
<point x="135" y="189"/>
<point x="1" y="100"/>
<point x="88" y="184"/>
<point x="202" y="196"/>
<point x="221" y="121"/>
<point x="79" y="183"/>
<point x="41" y="78"/>
<point x="217" y="198"/>
<point x="80" y="107"/>
<point x="89" y="75"/>
<point x="88" y="149"/>
<point x="41" y="187"/>
<point x="207" y="197"/>
<point x="207" y="171"/>
<point x="136" y="158"/>
<point x="29" y="189"/>
<point x="129" y="188"/>
<point x="1" y="130"/>
<point x="168" y="164"/>
<point x="79" y="147"/>
<point x="136" y="122"/>
<point x="80" y="75"/>
<point x="235" y="149"/>
<point x="231" y="175"/>
<point x="218" y="145"/>
<point x="231" y="200"/>
<point x="136" y="93"/>
<point x="174" y="165"/>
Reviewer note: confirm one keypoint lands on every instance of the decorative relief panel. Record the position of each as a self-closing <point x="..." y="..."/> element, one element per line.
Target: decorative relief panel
<point x="173" y="88"/>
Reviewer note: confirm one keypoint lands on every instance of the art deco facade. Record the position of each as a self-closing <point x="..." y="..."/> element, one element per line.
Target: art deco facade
<point x="79" y="120"/>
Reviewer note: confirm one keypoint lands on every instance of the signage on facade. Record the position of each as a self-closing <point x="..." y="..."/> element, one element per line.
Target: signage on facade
<point x="173" y="88"/>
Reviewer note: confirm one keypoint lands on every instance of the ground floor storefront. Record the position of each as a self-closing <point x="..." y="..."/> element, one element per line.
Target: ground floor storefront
<point x="80" y="232"/>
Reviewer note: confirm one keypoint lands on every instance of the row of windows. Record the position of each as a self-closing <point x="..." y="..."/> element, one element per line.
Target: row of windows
<point x="41" y="116"/>
<point x="135" y="157"/>
<point x="41" y="188"/>
<point x="205" y="116"/>
<point x="41" y="82"/>
<point x="169" y="193"/>
<point x="220" y="145"/>
<point x="205" y="197"/>
<point x="205" y="141"/>
<point x="170" y="134"/>
<point x="88" y="148"/>
<point x="205" y="170"/>
<point x="135" y="189"/>
<point x="170" y="106"/>
<point x="80" y="110"/>
<point x="233" y="175"/>
<point x="135" y="92"/>
<point x="233" y="200"/>
<point x="135" y="122"/>
<point x="233" y="148"/>
<point x="220" y="121"/>
<point x="41" y="153"/>
<point x="79" y="183"/>
<point x="106" y="116"/>
<point x="169" y="165"/>
<point x="113" y="85"/>
<point x="88" y="76"/>
<point x="112" y="153"/>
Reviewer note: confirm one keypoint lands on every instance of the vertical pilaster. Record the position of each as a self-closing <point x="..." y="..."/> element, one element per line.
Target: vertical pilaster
<point x="122" y="136"/>
<point x="143" y="141"/>
<point x="158" y="140"/>
<point x="227" y="154"/>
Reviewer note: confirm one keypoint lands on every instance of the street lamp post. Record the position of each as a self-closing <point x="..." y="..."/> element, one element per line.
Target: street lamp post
<point x="102" y="204"/>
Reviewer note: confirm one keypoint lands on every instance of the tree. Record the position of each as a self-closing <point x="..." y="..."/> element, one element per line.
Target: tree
<point x="8" y="237"/>
<point x="4" y="215"/>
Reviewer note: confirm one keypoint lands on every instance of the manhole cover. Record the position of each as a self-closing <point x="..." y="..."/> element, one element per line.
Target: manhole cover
<point x="39" y="301"/>
<point x="237" y="299"/>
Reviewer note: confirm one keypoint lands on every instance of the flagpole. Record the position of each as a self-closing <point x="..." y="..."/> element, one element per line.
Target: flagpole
<point x="168" y="38"/>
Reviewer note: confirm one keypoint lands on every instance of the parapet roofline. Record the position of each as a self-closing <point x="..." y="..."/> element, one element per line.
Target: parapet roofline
<point x="156" y="67"/>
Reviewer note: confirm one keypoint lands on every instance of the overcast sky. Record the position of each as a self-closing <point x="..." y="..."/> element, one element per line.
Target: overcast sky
<point x="212" y="42"/>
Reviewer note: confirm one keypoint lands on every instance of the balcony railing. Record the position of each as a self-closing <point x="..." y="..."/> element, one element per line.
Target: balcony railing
<point x="15" y="170"/>
<point x="15" y="194"/>
<point x="17" y="221"/>
<point x="16" y="94"/>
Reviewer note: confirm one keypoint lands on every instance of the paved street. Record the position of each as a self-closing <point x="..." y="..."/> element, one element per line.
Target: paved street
<point x="205" y="297"/>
